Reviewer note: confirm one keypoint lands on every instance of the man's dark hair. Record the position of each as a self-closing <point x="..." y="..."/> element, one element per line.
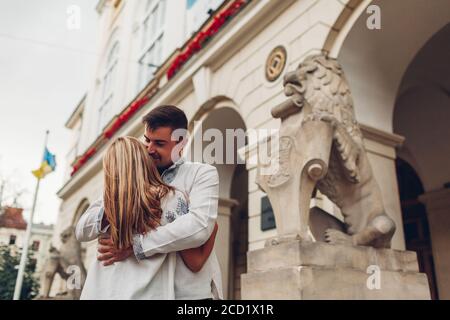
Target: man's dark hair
<point x="166" y="116"/>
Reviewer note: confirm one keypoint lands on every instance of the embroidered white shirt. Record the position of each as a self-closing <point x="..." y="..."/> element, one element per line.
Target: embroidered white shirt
<point x="149" y="279"/>
<point x="191" y="228"/>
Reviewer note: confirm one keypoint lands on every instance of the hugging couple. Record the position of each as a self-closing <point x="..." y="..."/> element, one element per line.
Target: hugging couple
<point x="156" y="221"/>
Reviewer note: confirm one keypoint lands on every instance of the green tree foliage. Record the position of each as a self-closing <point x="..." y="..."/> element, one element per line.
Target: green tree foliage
<point x="9" y="262"/>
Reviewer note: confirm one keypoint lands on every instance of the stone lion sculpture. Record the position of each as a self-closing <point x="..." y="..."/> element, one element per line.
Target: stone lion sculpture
<point x="66" y="262"/>
<point x="321" y="147"/>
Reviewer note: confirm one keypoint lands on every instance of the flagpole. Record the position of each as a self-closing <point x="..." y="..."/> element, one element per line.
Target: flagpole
<point x="23" y="259"/>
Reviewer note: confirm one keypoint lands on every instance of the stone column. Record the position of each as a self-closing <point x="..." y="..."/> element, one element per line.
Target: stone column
<point x="223" y="240"/>
<point x="438" y="212"/>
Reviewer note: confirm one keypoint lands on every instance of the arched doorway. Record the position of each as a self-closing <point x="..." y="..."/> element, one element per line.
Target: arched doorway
<point x="421" y="115"/>
<point x="399" y="76"/>
<point x="239" y="234"/>
<point x="82" y="207"/>
<point x="415" y="221"/>
<point x="216" y="137"/>
<point x="84" y="204"/>
<point x="375" y="61"/>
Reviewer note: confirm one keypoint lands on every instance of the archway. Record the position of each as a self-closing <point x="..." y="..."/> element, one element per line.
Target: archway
<point x="82" y="206"/>
<point x="239" y="232"/>
<point x="415" y="221"/>
<point x="216" y="137"/>
<point x="421" y="115"/>
<point x="399" y="76"/>
<point x="376" y="60"/>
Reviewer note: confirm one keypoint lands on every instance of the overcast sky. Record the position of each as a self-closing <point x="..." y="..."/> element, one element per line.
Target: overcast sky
<point x="44" y="71"/>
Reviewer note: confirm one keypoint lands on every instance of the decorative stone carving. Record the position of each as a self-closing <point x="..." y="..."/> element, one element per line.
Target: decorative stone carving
<point x="67" y="263"/>
<point x="321" y="146"/>
<point x="275" y="63"/>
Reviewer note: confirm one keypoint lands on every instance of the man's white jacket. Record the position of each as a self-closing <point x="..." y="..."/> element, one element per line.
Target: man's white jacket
<point x="200" y="183"/>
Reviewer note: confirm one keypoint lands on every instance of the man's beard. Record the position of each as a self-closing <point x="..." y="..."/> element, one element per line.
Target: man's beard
<point x="161" y="169"/>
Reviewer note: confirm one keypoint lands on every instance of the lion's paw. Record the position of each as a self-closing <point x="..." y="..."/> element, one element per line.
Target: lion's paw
<point x="334" y="236"/>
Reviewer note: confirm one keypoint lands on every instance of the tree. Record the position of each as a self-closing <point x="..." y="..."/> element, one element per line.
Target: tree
<point x="10" y="193"/>
<point x="9" y="262"/>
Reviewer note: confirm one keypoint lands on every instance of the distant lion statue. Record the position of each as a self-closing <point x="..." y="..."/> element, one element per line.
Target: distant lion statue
<point x="321" y="147"/>
<point x="68" y="264"/>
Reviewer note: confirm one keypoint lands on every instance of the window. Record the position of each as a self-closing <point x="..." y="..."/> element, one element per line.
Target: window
<point x="32" y="264"/>
<point x="267" y="216"/>
<point x="12" y="239"/>
<point x="106" y="107"/>
<point x="35" y="246"/>
<point x="150" y="57"/>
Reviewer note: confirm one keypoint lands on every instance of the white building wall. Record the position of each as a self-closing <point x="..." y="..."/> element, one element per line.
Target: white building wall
<point x="126" y="23"/>
<point x="43" y="235"/>
<point x="6" y="233"/>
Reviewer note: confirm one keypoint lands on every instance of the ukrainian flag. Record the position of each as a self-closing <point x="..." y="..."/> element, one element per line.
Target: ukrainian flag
<point x="48" y="165"/>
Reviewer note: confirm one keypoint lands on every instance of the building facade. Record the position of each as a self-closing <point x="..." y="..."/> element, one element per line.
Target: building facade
<point x="13" y="233"/>
<point x="223" y="62"/>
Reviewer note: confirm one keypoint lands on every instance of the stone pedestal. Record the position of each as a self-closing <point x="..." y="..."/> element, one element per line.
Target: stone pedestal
<point x="438" y="214"/>
<point x="305" y="271"/>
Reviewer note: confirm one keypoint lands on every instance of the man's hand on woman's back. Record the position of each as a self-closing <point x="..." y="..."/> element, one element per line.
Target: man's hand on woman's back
<point x="108" y="254"/>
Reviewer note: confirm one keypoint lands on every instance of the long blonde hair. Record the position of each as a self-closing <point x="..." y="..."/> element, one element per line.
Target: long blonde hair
<point x="133" y="190"/>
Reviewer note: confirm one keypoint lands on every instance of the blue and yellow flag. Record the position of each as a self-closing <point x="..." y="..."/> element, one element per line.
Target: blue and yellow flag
<point x="48" y="165"/>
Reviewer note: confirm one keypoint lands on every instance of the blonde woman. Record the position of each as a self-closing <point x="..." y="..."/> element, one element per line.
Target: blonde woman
<point x="136" y="201"/>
